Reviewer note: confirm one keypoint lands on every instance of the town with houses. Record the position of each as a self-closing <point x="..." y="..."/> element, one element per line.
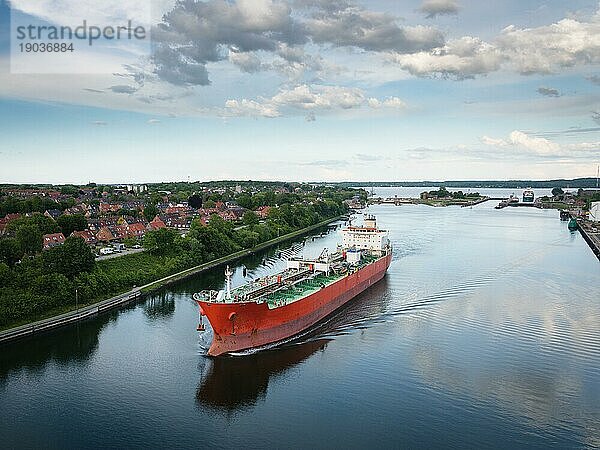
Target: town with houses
<point x="123" y="214"/>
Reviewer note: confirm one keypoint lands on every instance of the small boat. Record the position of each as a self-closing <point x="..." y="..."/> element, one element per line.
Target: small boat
<point x="528" y="195"/>
<point x="573" y="225"/>
<point x="564" y="215"/>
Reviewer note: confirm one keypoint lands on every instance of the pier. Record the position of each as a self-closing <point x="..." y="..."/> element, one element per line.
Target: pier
<point x="398" y="201"/>
<point x="481" y="200"/>
<point x="504" y="203"/>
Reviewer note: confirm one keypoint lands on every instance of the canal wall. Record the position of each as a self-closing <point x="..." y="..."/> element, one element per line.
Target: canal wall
<point x="593" y="243"/>
<point x="139" y="292"/>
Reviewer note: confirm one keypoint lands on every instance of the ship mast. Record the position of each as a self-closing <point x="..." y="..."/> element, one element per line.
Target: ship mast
<point x="228" y="274"/>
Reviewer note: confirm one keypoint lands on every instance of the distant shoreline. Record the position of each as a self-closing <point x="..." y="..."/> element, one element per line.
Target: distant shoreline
<point x="575" y="183"/>
<point x="585" y="183"/>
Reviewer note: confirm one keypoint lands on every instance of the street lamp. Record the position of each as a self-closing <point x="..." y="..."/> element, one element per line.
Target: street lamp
<point x="76" y="300"/>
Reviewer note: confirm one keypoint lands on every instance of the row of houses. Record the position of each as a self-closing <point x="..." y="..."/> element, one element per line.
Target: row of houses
<point x="106" y="233"/>
<point x="109" y="227"/>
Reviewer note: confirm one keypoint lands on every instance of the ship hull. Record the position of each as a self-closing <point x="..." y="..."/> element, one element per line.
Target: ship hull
<point x="242" y="326"/>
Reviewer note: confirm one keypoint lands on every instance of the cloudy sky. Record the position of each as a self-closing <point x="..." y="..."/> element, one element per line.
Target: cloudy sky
<point x="309" y="90"/>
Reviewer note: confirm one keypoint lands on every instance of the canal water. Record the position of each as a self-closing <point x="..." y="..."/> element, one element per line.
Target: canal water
<point x="485" y="333"/>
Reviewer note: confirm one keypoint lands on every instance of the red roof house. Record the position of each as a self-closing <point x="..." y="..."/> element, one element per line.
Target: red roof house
<point x="52" y="240"/>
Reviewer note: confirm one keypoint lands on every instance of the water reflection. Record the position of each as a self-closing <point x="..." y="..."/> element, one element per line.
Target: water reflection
<point x="160" y="305"/>
<point x="234" y="383"/>
<point x="69" y="345"/>
<point x="365" y="309"/>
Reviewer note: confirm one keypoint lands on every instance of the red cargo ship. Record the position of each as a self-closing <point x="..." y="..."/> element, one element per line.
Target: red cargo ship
<point x="281" y="306"/>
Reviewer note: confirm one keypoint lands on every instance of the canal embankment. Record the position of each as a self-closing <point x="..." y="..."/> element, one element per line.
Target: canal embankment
<point x="592" y="239"/>
<point x="137" y="293"/>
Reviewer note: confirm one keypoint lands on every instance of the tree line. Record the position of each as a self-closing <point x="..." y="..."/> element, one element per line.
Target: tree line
<point x="35" y="283"/>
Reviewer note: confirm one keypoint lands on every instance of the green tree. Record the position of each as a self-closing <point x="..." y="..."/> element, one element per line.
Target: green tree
<point x="70" y="259"/>
<point x="150" y="212"/>
<point x="69" y="189"/>
<point x="557" y="192"/>
<point x="195" y="201"/>
<point x="250" y="218"/>
<point x="30" y="239"/>
<point x="246" y="238"/>
<point x="245" y="201"/>
<point x="70" y="223"/>
<point x="161" y="241"/>
<point x="10" y="251"/>
<point x="44" y="224"/>
<point x="5" y="273"/>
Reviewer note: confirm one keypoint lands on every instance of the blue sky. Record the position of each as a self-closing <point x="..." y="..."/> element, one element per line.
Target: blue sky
<point x="311" y="90"/>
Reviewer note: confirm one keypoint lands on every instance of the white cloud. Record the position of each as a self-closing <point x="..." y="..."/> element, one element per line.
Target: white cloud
<point x="321" y="97"/>
<point x="353" y="26"/>
<point x="246" y="61"/>
<point x="312" y="98"/>
<point x="459" y="58"/>
<point x="548" y="91"/>
<point x="390" y="102"/>
<point x="521" y="142"/>
<point x="566" y="43"/>
<point x="106" y="12"/>
<point x="433" y="8"/>
<point x="493" y="142"/>
<point x="246" y="107"/>
<point x="545" y="49"/>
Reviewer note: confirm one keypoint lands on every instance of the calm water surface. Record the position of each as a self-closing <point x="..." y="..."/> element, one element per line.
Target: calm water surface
<point x="485" y="333"/>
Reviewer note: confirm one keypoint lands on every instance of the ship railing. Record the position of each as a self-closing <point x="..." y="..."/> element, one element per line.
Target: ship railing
<point x="204" y="296"/>
<point x="274" y="284"/>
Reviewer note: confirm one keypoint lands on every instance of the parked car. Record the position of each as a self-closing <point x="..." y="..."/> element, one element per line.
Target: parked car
<point x="106" y="251"/>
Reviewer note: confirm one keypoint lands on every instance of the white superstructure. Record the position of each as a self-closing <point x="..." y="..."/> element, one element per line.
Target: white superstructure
<point x="366" y="237"/>
<point x="595" y="212"/>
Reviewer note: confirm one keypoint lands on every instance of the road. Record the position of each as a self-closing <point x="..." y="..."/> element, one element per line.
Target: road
<point x="123" y="253"/>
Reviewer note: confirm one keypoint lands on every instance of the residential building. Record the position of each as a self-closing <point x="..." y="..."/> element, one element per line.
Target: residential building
<point x="86" y="235"/>
<point x="263" y="211"/>
<point x="53" y="213"/>
<point x="156" y="223"/>
<point x="52" y="240"/>
<point x="104" y="234"/>
<point x="109" y="207"/>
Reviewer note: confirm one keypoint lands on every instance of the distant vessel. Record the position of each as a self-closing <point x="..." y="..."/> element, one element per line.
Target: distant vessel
<point x="513" y="199"/>
<point x="528" y="196"/>
<point x="564" y="215"/>
<point x="573" y="224"/>
<point x="277" y="307"/>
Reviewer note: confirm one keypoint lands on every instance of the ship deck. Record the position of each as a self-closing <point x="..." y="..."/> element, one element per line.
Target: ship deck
<point x="303" y="288"/>
<point x="286" y="287"/>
